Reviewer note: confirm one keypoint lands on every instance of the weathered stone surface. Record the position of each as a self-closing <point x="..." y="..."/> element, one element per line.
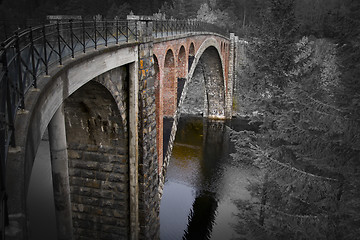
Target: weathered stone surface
<point x="148" y="161"/>
<point x="98" y="144"/>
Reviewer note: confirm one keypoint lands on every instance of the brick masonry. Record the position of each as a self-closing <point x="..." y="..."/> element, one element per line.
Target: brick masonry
<point x="179" y="53"/>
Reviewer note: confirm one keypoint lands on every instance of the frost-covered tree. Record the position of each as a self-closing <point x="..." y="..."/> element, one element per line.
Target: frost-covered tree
<point x="307" y="144"/>
<point x="207" y="14"/>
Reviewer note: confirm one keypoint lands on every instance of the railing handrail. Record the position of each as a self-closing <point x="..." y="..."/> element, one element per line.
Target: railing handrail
<point x="30" y="52"/>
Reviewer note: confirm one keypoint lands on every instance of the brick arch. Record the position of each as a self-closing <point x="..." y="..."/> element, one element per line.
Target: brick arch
<point x="40" y="109"/>
<point x="170" y="84"/>
<point x="169" y="60"/>
<point x="181" y="63"/>
<point x="192" y="49"/>
<point x="210" y="61"/>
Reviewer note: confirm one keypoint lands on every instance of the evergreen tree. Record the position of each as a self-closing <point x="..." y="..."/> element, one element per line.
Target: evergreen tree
<point x="307" y="145"/>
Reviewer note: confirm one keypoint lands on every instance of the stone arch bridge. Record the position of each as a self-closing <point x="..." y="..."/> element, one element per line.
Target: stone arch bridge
<point x="109" y="95"/>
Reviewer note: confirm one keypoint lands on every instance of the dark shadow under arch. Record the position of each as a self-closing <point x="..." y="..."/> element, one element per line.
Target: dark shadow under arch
<point x="191" y="55"/>
<point x="98" y="163"/>
<point x="211" y="68"/>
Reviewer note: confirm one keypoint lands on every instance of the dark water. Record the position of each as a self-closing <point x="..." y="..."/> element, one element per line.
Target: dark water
<point x="202" y="185"/>
<point x="203" y="182"/>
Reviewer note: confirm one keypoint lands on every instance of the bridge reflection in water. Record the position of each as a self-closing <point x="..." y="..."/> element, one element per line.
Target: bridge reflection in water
<point x="202" y="183"/>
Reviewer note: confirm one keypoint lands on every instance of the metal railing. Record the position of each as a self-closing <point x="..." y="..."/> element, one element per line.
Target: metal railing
<point x="164" y="28"/>
<point x="31" y="52"/>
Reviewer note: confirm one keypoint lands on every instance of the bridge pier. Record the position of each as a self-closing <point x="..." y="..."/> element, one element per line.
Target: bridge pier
<point x="231" y="77"/>
<point x="60" y="175"/>
<point x="148" y="178"/>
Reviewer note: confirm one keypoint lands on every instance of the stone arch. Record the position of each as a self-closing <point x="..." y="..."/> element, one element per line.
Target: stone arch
<point x="210" y="62"/>
<point x="170" y="84"/>
<point x="99" y="182"/>
<point x="42" y="105"/>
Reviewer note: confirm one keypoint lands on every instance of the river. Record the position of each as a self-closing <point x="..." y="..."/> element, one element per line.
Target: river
<point x="203" y="182"/>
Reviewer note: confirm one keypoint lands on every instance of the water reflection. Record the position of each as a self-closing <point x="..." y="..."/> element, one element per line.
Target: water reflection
<point x="203" y="183"/>
<point x="202" y="216"/>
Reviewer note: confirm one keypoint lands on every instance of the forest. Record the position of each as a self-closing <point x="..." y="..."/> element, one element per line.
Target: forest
<point x="299" y="83"/>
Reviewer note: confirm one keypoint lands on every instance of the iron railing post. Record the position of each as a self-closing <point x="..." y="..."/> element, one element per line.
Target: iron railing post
<point x="117" y="31"/>
<point x="128" y="31"/>
<point x="83" y="36"/>
<point x="10" y="106"/>
<point x="177" y="27"/>
<point x="19" y="72"/>
<point x="45" y="54"/>
<point x="59" y="44"/>
<point x="167" y="28"/>
<point x="162" y="28"/>
<point x="71" y="39"/>
<point x="172" y="27"/>
<point x="106" y="38"/>
<point x="33" y="58"/>
<point x="155" y="28"/>
<point x="95" y="41"/>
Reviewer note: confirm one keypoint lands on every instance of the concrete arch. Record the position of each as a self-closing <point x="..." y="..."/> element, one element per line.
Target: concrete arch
<point x="42" y="104"/>
<point x="209" y="58"/>
<point x="170" y="84"/>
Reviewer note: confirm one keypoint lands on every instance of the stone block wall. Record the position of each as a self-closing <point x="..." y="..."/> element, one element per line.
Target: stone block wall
<point x="97" y="139"/>
<point x="149" y="202"/>
<point x="99" y="192"/>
